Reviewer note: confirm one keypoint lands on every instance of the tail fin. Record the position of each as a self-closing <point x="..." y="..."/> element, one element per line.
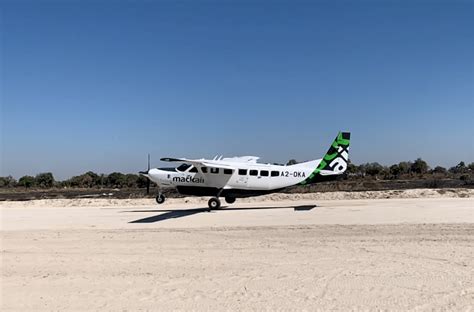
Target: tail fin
<point x="335" y="161"/>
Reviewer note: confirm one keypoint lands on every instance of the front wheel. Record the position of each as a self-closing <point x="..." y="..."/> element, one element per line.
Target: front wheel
<point x="160" y="199"/>
<point x="214" y="203"/>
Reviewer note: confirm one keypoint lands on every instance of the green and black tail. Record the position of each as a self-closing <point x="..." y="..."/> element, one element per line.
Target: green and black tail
<point x="334" y="162"/>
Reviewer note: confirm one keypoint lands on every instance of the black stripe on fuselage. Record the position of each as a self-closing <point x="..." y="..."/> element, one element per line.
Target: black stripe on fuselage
<point x="241" y="193"/>
<point x="213" y="191"/>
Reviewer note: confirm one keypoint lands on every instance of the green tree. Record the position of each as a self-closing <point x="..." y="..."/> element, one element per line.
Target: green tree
<point x="419" y="166"/>
<point x="374" y="169"/>
<point x="351" y="168"/>
<point x="116" y="179"/>
<point x="440" y="170"/>
<point x="291" y="162"/>
<point x="395" y="170"/>
<point x="131" y="180"/>
<point x="101" y="180"/>
<point x="27" y="181"/>
<point x="459" y="168"/>
<point x="471" y="166"/>
<point x="7" y="181"/>
<point x="404" y="167"/>
<point x="45" y="180"/>
<point x="142" y="181"/>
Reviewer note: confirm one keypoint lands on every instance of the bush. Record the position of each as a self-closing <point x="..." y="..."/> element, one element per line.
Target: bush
<point x="405" y="167"/>
<point x="142" y="181"/>
<point x="440" y="170"/>
<point x="131" y="180"/>
<point x="44" y="179"/>
<point x="395" y="170"/>
<point x="374" y="169"/>
<point x="88" y="179"/>
<point x="116" y="179"/>
<point x="7" y="181"/>
<point x="459" y="168"/>
<point x="27" y="181"/>
<point x="419" y="166"/>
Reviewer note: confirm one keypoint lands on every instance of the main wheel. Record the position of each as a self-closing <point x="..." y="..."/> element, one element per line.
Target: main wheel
<point x="214" y="203"/>
<point x="160" y="199"/>
<point x="229" y="200"/>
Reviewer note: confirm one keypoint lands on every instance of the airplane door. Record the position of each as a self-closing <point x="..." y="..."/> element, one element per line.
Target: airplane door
<point x="242" y="179"/>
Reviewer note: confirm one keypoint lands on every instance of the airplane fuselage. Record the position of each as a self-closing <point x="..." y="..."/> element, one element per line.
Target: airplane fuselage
<point x="247" y="179"/>
<point x="244" y="177"/>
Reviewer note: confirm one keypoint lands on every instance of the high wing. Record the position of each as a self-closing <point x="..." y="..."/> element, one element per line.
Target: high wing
<point x="199" y="162"/>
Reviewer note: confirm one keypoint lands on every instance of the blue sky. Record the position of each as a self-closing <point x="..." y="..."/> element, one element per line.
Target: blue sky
<point x="97" y="86"/>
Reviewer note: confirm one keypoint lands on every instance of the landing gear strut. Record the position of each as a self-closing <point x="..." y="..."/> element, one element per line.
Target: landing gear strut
<point x="160" y="198"/>
<point x="214" y="203"/>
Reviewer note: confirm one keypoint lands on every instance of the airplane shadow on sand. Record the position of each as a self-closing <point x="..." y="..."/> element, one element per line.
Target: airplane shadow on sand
<point x="174" y="214"/>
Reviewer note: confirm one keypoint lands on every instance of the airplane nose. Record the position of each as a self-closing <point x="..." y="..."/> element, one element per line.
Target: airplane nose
<point x="154" y="174"/>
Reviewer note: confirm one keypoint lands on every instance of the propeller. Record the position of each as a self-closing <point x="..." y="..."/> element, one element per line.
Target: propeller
<point x="146" y="173"/>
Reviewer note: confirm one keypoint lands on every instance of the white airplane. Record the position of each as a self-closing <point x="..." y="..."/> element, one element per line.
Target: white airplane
<point x="239" y="177"/>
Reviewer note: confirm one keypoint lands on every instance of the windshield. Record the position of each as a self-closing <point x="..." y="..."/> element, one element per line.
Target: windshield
<point x="183" y="167"/>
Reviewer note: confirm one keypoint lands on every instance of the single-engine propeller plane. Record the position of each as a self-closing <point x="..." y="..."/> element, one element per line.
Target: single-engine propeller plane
<point x="239" y="177"/>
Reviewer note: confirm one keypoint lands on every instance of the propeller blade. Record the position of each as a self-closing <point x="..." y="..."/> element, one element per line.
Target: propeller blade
<point x="145" y="173"/>
<point x="148" y="180"/>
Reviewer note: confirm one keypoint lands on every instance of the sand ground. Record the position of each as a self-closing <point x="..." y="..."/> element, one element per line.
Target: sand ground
<point x="274" y="254"/>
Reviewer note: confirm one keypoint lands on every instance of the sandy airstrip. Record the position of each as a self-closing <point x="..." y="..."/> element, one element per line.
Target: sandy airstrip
<point x="389" y="250"/>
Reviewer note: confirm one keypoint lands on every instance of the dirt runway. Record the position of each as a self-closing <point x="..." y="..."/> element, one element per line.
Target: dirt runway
<point x="392" y="254"/>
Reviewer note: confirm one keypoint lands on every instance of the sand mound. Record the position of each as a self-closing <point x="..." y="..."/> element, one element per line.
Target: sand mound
<point x="104" y="202"/>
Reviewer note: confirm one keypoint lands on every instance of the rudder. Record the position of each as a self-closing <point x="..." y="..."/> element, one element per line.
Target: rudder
<point x="335" y="161"/>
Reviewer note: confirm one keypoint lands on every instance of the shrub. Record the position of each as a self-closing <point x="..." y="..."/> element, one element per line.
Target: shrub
<point x="419" y="166"/>
<point x="27" y="181"/>
<point x="7" y="181"/>
<point x="44" y="180"/>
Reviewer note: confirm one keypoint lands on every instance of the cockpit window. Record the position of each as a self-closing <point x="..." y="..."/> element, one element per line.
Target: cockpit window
<point x="183" y="167"/>
<point x="193" y="170"/>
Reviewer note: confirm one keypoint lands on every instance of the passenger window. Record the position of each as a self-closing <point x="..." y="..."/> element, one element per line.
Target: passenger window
<point x="193" y="169"/>
<point x="242" y="171"/>
<point x="215" y="170"/>
<point x="275" y="173"/>
<point x="227" y="171"/>
<point x="253" y="172"/>
<point x="204" y="169"/>
<point x="264" y="173"/>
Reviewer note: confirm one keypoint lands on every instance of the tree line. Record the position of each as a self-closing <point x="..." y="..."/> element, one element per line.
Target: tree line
<point x="409" y="170"/>
<point x="403" y="170"/>
<point x="87" y="180"/>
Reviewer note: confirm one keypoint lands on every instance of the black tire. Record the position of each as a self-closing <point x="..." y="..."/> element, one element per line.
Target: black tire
<point x="214" y="203"/>
<point x="160" y="199"/>
<point x="229" y="200"/>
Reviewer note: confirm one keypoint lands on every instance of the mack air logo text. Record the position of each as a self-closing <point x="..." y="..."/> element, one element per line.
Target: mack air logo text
<point x="188" y="179"/>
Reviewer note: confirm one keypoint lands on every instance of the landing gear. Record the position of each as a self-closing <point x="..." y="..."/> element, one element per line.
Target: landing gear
<point x="229" y="200"/>
<point x="160" y="198"/>
<point x="214" y="203"/>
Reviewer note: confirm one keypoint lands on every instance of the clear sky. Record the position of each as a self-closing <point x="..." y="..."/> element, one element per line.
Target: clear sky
<point x="97" y="85"/>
